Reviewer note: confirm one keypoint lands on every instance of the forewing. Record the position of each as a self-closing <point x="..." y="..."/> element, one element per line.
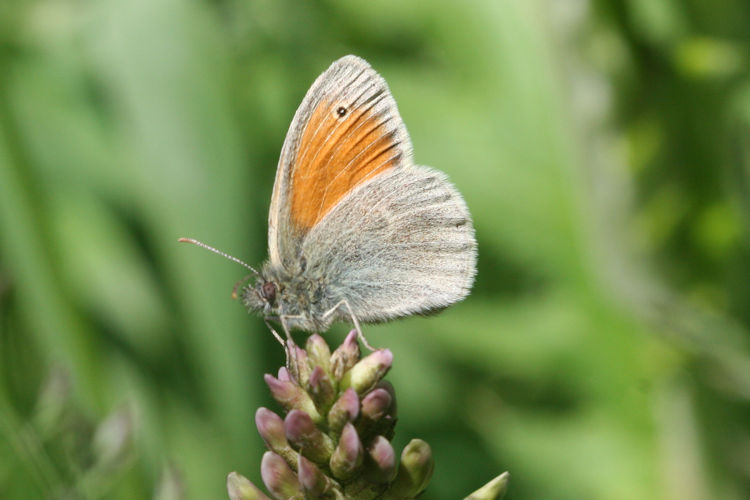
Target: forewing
<point x="401" y="243"/>
<point x="346" y="131"/>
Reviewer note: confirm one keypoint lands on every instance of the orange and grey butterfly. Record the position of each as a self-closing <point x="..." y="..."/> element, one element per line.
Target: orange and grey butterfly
<point x="356" y="230"/>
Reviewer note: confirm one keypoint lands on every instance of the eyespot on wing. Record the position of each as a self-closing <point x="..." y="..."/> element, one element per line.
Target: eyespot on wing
<point x="337" y="153"/>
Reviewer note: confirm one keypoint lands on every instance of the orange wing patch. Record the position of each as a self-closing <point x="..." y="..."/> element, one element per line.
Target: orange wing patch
<point x="337" y="153"/>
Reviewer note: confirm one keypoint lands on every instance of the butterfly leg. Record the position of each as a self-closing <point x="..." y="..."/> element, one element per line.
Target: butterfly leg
<point x="273" y="331"/>
<point x="361" y="336"/>
<point x="292" y="360"/>
<point x="278" y="337"/>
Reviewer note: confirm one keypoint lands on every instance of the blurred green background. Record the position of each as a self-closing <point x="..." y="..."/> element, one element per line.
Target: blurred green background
<point x="602" y="146"/>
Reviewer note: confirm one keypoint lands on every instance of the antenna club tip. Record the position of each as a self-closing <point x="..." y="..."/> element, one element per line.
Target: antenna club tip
<point x="185" y="240"/>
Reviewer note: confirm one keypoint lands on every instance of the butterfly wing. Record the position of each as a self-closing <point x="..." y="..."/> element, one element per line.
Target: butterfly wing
<point x="399" y="244"/>
<point x="390" y="237"/>
<point x="346" y="131"/>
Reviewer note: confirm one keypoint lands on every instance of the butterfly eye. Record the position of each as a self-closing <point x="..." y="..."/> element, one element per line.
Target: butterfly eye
<point x="268" y="290"/>
<point x="341" y="111"/>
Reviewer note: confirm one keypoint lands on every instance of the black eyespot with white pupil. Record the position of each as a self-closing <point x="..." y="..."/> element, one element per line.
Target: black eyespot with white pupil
<point x="341" y="111"/>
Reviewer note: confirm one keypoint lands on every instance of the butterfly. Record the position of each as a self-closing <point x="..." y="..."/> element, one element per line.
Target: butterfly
<point x="356" y="230"/>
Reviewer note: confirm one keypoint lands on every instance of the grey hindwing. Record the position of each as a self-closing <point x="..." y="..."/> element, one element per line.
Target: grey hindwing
<point x="399" y="244"/>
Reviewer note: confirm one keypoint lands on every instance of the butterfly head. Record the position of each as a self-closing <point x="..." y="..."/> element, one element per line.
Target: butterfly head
<point x="299" y="299"/>
<point x="262" y="297"/>
<point x="272" y="294"/>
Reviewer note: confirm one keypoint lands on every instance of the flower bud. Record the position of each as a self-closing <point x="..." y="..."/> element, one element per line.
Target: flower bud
<point x="271" y="429"/>
<point x="322" y="449"/>
<point x="171" y="485"/>
<point x="291" y="396"/>
<point x="240" y="488"/>
<point x="321" y="389"/>
<point x="376" y="404"/>
<point x="345" y="356"/>
<point x="388" y="387"/>
<point x="307" y="438"/>
<point x="314" y="483"/>
<point x="348" y="455"/>
<point x="318" y="352"/>
<point x="414" y="472"/>
<point x="278" y="477"/>
<point x="494" y="490"/>
<point x="300" y="368"/>
<point x="383" y="466"/>
<point x="345" y="409"/>
<point x="375" y="415"/>
<point x="379" y="421"/>
<point x="367" y="372"/>
<point x="284" y="374"/>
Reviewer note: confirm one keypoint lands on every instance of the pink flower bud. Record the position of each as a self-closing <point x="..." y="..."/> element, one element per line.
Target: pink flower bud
<point x="278" y="477"/>
<point x="345" y="409"/>
<point x="384" y="460"/>
<point x="349" y="453"/>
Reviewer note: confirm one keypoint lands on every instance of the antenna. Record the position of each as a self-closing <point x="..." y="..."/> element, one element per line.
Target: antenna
<point x="214" y="250"/>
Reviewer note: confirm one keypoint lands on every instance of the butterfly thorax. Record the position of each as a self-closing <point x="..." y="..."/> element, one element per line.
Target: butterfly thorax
<point x="299" y="299"/>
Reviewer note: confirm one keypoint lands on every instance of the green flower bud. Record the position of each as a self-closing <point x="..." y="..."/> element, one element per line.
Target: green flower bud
<point x="367" y="372"/>
<point x="319" y="353"/>
<point x="240" y="488"/>
<point x="414" y="472"/>
<point x="494" y="490"/>
<point x="307" y="438"/>
<point x="171" y="485"/>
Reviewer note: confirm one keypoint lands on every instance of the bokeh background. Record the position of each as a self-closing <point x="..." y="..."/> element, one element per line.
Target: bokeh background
<point x="602" y="147"/>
